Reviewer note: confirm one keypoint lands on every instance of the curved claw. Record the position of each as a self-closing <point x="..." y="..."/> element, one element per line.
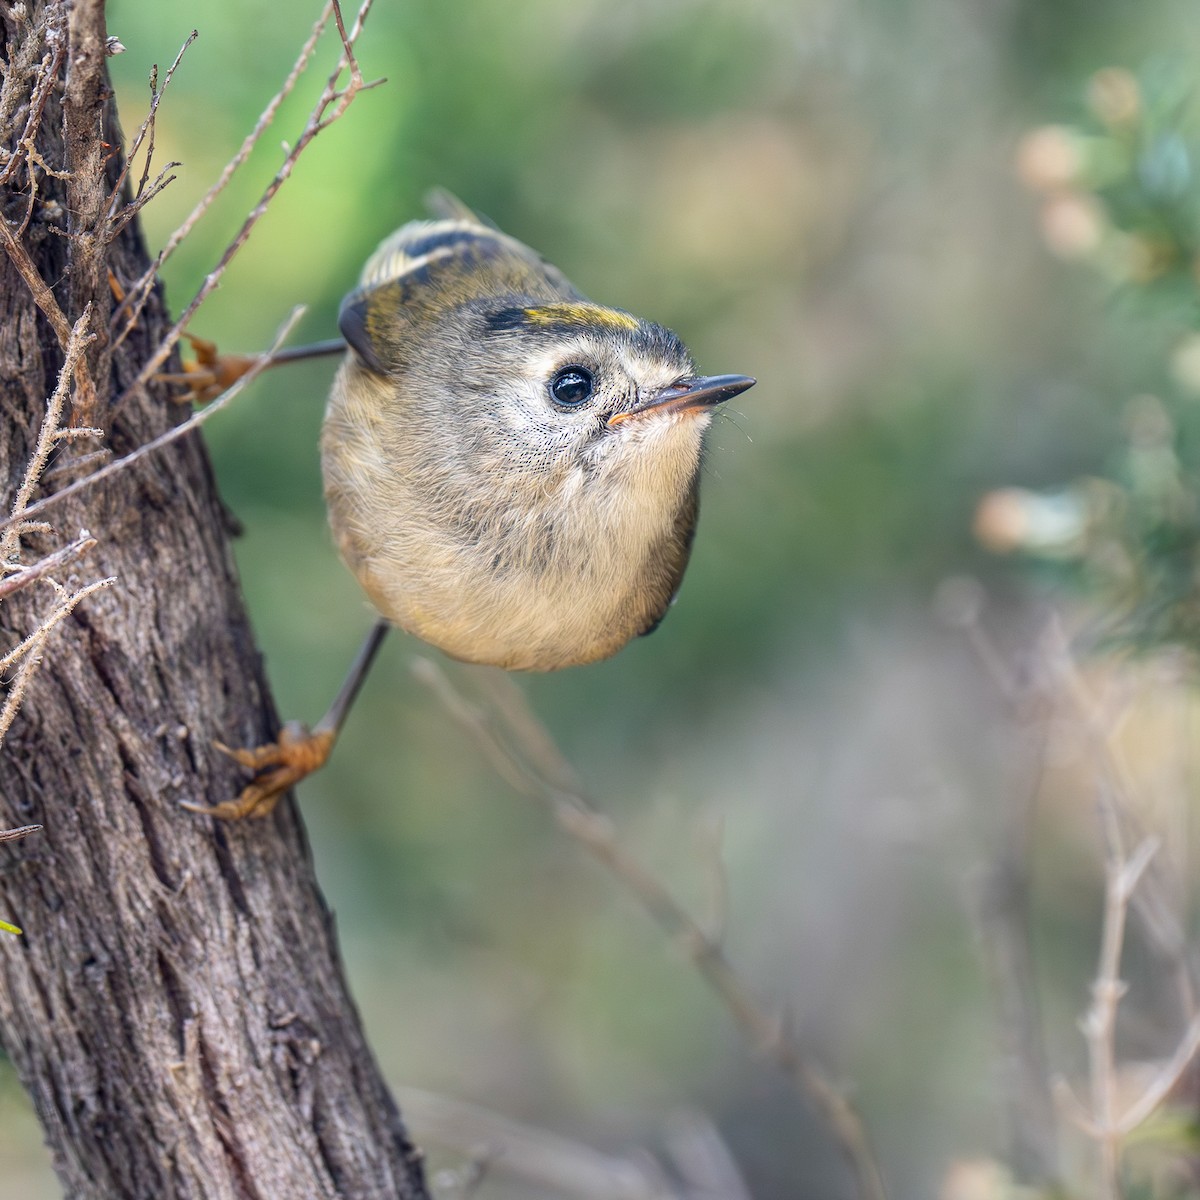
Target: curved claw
<point x="277" y="766"/>
<point x="211" y="372"/>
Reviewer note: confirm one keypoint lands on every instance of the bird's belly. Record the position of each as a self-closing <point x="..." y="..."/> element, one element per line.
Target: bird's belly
<point x="518" y="620"/>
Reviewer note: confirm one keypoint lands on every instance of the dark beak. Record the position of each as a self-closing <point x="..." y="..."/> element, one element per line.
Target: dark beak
<point x="703" y="392"/>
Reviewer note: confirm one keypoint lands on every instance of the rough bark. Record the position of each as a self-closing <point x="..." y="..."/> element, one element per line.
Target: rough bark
<point x="176" y="1007"/>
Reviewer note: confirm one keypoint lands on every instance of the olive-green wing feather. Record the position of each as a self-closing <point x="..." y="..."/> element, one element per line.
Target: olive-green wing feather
<point x="427" y="268"/>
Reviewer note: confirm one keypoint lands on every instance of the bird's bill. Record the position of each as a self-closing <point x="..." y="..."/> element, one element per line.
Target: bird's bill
<point x="705" y="391"/>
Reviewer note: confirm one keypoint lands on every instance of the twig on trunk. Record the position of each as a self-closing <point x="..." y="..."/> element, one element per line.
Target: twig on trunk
<point x="23" y="576"/>
<point x="15" y="835"/>
<point x="29" y="652"/>
<point x="171" y="435"/>
<point x="534" y="767"/>
<point x="49" y="434"/>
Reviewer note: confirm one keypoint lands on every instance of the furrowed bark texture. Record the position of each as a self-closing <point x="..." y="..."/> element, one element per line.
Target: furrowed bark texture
<point x="176" y="1007"/>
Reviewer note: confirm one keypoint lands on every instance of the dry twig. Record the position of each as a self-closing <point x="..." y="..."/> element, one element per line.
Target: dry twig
<point x="1131" y="881"/>
<point x="23" y="576"/>
<point x="538" y="1158"/>
<point x="535" y="768"/>
<point x="145" y="134"/>
<point x="171" y="435"/>
<point x="28" y="653"/>
<point x="48" y="436"/>
<point x="331" y="105"/>
<point x="137" y="295"/>
<point x="15" y="835"/>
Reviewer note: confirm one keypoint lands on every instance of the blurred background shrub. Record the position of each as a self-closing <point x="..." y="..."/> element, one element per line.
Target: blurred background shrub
<point x="964" y="332"/>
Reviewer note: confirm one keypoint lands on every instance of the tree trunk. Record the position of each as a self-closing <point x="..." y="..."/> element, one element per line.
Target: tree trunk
<point x="176" y="1007"/>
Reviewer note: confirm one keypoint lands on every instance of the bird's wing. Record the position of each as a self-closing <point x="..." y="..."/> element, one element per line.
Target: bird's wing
<point x="426" y="268"/>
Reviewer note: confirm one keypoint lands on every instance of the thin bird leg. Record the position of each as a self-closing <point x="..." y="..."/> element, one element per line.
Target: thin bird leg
<point x="279" y="765"/>
<point x="212" y="372"/>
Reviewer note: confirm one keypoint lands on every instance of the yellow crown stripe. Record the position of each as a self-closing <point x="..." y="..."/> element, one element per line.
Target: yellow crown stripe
<point x="592" y="315"/>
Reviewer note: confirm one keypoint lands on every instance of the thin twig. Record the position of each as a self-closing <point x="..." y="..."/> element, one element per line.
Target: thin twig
<point x="47" y="76"/>
<point x="77" y="342"/>
<point x="21" y="831"/>
<point x="1118" y="811"/>
<point x="29" y="651"/>
<point x="171" y="435"/>
<point x="137" y="294"/>
<point x="704" y="1160"/>
<point x="27" y="575"/>
<point x="534" y="1156"/>
<point x="1100" y="1024"/>
<point x="43" y="297"/>
<point x="317" y="121"/>
<point x="1073" y="1108"/>
<point x="1160" y="1086"/>
<point x="578" y="817"/>
<point x="147" y="128"/>
<point x="118" y="221"/>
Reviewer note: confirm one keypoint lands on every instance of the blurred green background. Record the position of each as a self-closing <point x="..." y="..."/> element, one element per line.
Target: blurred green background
<point x="821" y="194"/>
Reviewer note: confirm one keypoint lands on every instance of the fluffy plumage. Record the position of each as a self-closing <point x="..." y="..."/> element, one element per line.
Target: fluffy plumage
<point x="477" y="511"/>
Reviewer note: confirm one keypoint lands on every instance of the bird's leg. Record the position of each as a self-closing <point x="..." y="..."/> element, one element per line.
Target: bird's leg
<point x="279" y="765"/>
<point x="212" y="372"/>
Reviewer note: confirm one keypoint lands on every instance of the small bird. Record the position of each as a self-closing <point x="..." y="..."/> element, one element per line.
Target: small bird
<point x="511" y="471"/>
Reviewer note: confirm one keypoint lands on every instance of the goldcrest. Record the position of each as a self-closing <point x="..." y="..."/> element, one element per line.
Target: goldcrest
<point x="511" y="471"/>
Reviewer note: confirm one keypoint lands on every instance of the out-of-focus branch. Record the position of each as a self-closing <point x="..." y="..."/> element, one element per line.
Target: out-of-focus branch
<point x="1133" y="880"/>
<point x="525" y="755"/>
<point x="1100" y="1023"/>
<point x="999" y="902"/>
<point x="542" y="1159"/>
<point x="1119" y="810"/>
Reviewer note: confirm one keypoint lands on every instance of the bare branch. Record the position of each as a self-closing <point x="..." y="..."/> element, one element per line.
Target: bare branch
<point x="147" y="130"/>
<point x="1160" y="1086"/>
<point x="1100" y="1024"/>
<point x="15" y="835"/>
<point x="46" y="78"/>
<point x="138" y="293"/>
<point x="534" y="1156"/>
<point x="42" y="295"/>
<point x="703" y="1159"/>
<point x="577" y="816"/>
<point x="1072" y="1107"/>
<point x="60" y="557"/>
<point x="1118" y="808"/>
<point x="171" y="435"/>
<point x="77" y="342"/>
<point x="29" y="651"/>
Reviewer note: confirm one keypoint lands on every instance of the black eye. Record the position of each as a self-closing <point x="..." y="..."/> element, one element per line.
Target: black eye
<point x="571" y="386"/>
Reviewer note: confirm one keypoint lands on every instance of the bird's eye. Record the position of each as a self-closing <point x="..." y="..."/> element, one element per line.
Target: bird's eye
<point x="571" y="386"/>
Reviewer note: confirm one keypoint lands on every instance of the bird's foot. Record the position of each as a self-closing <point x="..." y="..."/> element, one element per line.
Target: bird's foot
<point x="277" y="766"/>
<point x="211" y="372"/>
